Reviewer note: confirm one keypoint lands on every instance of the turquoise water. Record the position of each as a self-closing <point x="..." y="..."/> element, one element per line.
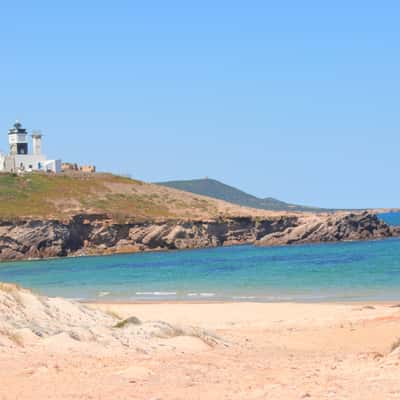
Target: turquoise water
<point x="319" y="272"/>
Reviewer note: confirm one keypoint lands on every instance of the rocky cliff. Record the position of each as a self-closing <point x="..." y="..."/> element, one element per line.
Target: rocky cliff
<point x="86" y="234"/>
<point x="331" y="228"/>
<point x="97" y="234"/>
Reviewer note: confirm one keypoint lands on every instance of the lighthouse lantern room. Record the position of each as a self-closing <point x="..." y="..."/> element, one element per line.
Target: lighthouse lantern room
<point x="17" y="139"/>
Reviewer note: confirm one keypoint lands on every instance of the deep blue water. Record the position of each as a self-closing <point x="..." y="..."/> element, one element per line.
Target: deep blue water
<point x="391" y="218"/>
<point x="318" y="272"/>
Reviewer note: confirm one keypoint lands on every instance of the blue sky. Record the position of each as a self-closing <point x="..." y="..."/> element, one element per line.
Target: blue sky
<point x="295" y="100"/>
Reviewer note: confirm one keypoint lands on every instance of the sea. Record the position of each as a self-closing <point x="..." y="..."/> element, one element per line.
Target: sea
<point x="347" y="271"/>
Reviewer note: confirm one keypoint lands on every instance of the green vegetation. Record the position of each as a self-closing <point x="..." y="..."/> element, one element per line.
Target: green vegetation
<point x="57" y="196"/>
<point x="128" y="321"/>
<point x="218" y="190"/>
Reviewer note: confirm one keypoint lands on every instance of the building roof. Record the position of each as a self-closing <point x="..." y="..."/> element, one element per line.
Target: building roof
<point x="17" y="129"/>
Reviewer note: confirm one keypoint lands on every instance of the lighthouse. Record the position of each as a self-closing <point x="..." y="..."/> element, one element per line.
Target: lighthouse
<point x="19" y="159"/>
<point x="17" y="139"/>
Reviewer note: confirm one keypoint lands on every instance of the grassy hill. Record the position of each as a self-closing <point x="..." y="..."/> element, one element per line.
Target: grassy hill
<point x="219" y="190"/>
<point x="60" y="196"/>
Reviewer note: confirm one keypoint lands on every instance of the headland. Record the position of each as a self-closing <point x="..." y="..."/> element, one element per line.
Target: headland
<point x="72" y="214"/>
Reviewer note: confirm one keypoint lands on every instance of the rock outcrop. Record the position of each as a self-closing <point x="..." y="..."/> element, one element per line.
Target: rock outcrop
<point x="99" y="234"/>
<point x="331" y="228"/>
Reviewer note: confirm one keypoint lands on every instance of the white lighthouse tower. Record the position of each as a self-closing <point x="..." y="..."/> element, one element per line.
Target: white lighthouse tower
<point x="19" y="160"/>
<point x="17" y="140"/>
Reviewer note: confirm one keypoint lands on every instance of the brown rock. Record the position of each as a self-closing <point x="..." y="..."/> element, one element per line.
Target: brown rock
<point x="330" y="228"/>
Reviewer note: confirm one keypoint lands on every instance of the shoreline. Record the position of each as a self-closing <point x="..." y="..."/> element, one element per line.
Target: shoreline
<point x="152" y="251"/>
<point x="388" y="303"/>
<point x="169" y="251"/>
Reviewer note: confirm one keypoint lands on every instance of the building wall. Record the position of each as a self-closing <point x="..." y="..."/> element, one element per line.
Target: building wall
<point x="88" y="169"/>
<point x="30" y="161"/>
<point x="65" y="166"/>
<point x="2" y="162"/>
<point x="9" y="163"/>
<point x="53" y="165"/>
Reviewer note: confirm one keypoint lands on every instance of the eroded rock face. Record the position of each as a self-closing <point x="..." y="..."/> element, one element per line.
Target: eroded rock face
<point x="331" y="228"/>
<point x="98" y="234"/>
<point x="33" y="238"/>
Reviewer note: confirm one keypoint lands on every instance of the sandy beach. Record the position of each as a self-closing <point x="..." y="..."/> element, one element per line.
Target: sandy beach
<point x="260" y="351"/>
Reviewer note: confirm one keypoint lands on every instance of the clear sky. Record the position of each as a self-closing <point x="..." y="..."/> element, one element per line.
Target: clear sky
<point x="291" y="99"/>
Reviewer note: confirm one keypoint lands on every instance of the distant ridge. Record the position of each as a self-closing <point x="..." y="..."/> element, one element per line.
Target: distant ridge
<point x="218" y="190"/>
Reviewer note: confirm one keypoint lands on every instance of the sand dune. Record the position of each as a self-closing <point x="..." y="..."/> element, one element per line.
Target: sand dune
<point x="27" y="319"/>
<point x="51" y="348"/>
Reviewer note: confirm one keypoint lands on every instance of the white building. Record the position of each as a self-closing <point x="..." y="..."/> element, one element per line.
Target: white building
<point x="19" y="159"/>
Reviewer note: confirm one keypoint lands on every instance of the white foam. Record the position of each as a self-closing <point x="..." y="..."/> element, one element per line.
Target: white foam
<point x="156" y="293"/>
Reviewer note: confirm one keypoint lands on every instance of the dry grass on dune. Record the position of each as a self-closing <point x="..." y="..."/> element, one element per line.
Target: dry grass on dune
<point x="58" y="196"/>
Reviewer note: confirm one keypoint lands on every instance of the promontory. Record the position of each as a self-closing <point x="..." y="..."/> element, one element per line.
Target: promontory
<point x="57" y="215"/>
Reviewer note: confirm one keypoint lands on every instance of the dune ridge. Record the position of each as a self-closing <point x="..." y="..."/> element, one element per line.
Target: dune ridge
<point x="29" y="319"/>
